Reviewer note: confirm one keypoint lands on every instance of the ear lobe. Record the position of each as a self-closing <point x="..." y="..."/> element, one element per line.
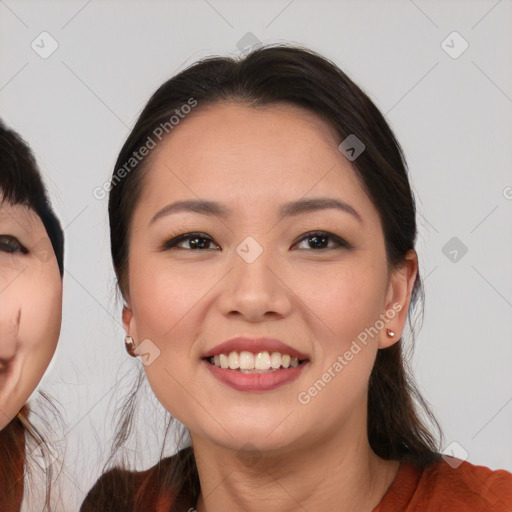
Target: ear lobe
<point x="398" y="299"/>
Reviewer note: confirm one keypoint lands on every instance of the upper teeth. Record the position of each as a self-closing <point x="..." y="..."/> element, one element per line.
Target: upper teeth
<point x="248" y="361"/>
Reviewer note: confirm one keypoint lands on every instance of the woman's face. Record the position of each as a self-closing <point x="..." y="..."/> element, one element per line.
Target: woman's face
<point x="30" y="306"/>
<point x="256" y="273"/>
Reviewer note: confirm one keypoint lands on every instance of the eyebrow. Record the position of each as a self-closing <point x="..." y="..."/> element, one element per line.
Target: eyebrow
<point x="291" y="209"/>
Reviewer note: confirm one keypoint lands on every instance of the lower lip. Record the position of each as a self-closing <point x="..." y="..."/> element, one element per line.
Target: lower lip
<point x="255" y="381"/>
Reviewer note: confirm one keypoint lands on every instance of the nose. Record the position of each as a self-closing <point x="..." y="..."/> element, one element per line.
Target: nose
<point x="255" y="290"/>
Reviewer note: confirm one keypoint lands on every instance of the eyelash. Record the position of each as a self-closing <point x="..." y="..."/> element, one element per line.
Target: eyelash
<point x="6" y="242"/>
<point x="342" y="244"/>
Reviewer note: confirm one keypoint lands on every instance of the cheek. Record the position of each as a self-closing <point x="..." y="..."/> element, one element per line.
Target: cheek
<point x="39" y="299"/>
<point x="348" y="303"/>
<point x="166" y="296"/>
<point x="347" y="297"/>
<point x="171" y="379"/>
<point x="161" y="304"/>
<point x="166" y="302"/>
<point x="41" y="309"/>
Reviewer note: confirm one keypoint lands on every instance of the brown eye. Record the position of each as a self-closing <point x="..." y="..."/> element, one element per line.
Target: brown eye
<point x="11" y="244"/>
<point x="196" y="241"/>
<point x="320" y="240"/>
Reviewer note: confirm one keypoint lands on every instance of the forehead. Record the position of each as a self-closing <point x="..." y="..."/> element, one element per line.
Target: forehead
<point x="251" y="156"/>
<point x="19" y="216"/>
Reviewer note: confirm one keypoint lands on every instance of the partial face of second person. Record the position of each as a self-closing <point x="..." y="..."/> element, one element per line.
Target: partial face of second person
<point x="30" y="306"/>
<point x="186" y="300"/>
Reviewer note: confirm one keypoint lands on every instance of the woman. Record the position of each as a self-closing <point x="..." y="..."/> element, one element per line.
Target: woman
<point x="31" y="269"/>
<point x="262" y="233"/>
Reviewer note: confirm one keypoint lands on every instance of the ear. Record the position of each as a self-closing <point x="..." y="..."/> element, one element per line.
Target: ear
<point x="398" y="298"/>
<point x="129" y="322"/>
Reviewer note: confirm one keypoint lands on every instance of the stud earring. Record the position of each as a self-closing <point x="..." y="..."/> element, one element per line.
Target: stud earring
<point x="130" y="346"/>
<point x="390" y="333"/>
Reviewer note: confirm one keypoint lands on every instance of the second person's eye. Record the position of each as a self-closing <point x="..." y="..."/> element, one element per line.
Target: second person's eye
<point x="10" y="244"/>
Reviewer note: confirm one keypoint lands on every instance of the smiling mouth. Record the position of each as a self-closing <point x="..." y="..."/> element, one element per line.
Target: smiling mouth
<point x="249" y="362"/>
<point x="6" y="365"/>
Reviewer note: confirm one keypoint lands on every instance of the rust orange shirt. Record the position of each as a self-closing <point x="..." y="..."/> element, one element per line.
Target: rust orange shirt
<point x="448" y="487"/>
<point x="438" y="488"/>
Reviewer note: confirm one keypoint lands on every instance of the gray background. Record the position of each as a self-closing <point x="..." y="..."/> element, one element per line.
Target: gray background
<point x="451" y="115"/>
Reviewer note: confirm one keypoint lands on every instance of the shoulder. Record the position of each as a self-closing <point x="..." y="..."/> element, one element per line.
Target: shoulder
<point x="120" y="489"/>
<point x="112" y="491"/>
<point x="451" y="483"/>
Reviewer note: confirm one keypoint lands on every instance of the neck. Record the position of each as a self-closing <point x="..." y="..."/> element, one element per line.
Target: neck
<point x="329" y="475"/>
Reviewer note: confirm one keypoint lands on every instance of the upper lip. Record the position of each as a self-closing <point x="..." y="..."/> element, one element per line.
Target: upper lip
<point x="254" y="345"/>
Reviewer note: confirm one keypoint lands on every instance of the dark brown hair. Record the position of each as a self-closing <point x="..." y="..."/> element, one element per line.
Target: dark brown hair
<point x="21" y="183"/>
<point x="285" y="74"/>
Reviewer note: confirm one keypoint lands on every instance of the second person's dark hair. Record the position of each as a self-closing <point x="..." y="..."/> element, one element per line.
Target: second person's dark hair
<point x="21" y="183"/>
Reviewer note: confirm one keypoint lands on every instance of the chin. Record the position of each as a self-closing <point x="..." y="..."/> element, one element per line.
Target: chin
<point x="260" y="437"/>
